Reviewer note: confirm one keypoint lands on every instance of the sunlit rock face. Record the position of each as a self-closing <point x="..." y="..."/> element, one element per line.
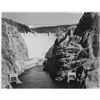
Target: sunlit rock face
<point x="14" y="52"/>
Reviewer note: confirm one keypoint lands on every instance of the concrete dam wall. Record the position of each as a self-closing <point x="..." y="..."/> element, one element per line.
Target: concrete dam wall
<point x="38" y="44"/>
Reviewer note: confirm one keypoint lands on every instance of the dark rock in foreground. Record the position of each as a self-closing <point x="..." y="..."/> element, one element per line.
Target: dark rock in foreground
<point x="74" y="58"/>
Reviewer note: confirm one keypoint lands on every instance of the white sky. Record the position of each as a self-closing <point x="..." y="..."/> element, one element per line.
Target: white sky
<point x="44" y="18"/>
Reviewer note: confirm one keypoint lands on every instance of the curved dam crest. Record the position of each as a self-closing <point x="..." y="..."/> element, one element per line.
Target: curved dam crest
<point x="38" y="44"/>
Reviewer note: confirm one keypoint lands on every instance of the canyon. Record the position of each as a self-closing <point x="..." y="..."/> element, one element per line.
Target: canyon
<point x="24" y="50"/>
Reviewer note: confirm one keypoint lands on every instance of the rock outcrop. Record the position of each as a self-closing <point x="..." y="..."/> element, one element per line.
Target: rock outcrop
<point x="14" y="51"/>
<point x="74" y="57"/>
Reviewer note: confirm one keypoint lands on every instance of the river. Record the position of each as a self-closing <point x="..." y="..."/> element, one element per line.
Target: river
<point x="35" y="77"/>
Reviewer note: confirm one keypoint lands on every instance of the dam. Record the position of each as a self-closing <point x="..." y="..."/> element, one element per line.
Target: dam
<point x="38" y="44"/>
<point x="34" y="77"/>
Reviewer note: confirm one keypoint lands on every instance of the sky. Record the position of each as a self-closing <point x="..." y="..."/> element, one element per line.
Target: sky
<point x="43" y="19"/>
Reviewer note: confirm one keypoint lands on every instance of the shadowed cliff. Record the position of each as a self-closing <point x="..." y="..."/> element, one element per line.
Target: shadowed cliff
<point x="76" y="53"/>
<point x="20" y="27"/>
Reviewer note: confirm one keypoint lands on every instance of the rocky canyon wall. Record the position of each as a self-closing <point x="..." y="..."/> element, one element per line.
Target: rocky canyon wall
<point x="76" y="55"/>
<point x="14" y="51"/>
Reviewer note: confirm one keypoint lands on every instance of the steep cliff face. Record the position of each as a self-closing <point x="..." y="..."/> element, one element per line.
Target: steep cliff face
<point x="92" y="79"/>
<point x="14" y="52"/>
<point x="74" y="60"/>
<point x="88" y="29"/>
<point x="70" y="29"/>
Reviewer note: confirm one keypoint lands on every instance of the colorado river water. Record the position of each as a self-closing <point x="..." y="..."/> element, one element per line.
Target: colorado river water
<point x="35" y="77"/>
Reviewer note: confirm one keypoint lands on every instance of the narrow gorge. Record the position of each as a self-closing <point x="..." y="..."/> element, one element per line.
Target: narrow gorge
<point x="44" y="57"/>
